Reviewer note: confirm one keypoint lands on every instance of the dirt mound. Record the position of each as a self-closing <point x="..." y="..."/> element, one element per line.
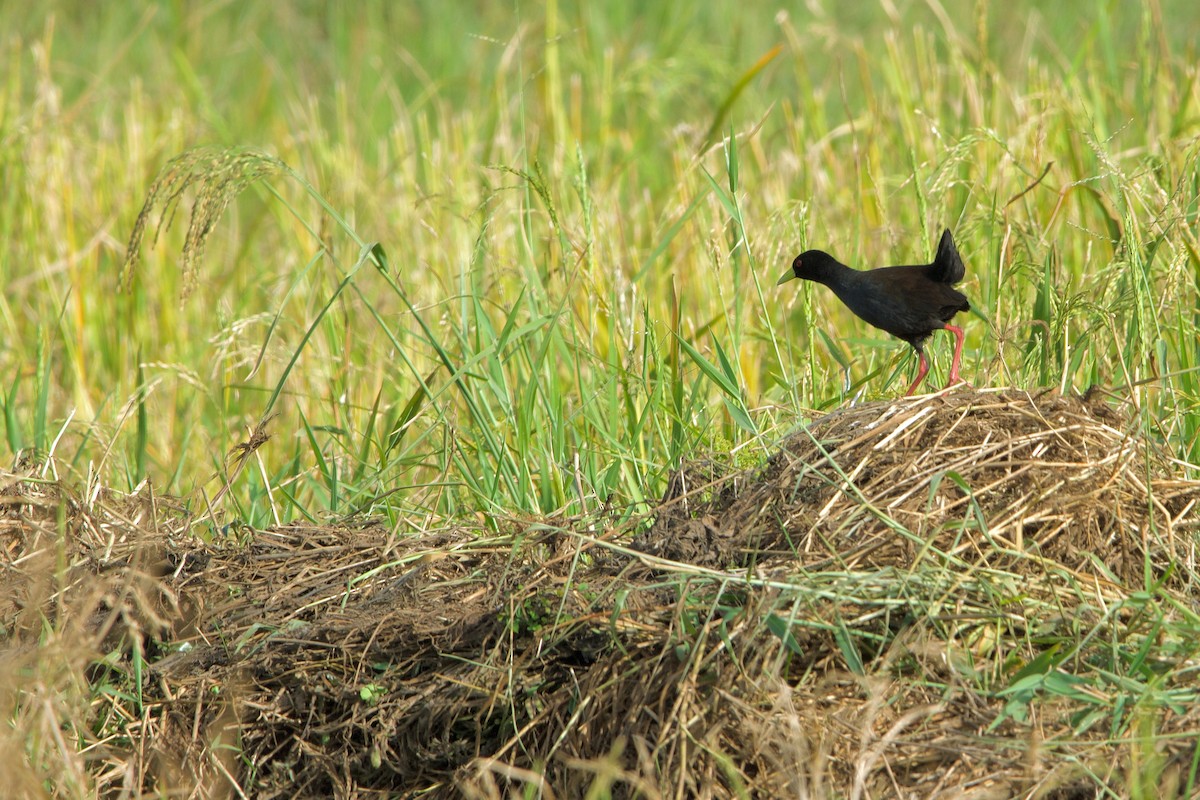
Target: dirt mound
<point x="826" y="625"/>
<point x="987" y="477"/>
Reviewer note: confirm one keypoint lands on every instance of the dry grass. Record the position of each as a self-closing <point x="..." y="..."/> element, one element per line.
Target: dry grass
<point x="990" y="478"/>
<point x="898" y="603"/>
<point x="87" y="595"/>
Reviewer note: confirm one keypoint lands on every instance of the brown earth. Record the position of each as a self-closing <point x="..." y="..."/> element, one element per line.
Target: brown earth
<point x="842" y="621"/>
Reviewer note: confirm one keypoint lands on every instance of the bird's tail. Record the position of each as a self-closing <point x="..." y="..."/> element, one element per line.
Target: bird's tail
<point x="948" y="265"/>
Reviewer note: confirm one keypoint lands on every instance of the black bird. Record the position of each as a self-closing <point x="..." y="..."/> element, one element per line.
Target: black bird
<point x="909" y="302"/>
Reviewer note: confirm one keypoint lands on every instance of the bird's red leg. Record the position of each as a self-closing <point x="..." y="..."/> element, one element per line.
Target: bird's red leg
<point x="958" y="348"/>
<point x="922" y="368"/>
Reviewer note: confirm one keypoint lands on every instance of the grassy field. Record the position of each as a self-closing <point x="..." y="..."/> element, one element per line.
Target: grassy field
<point x="525" y="264"/>
<point x="572" y="238"/>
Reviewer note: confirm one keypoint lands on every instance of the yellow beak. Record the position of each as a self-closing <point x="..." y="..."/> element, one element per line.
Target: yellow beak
<point x="788" y="277"/>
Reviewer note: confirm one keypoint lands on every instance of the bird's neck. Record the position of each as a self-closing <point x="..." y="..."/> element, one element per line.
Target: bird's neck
<point x="834" y="273"/>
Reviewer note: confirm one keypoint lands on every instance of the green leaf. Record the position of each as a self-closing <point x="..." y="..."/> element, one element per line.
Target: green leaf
<point x="708" y="368"/>
<point x="783" y="629"/>
<point x="845" y="643"/>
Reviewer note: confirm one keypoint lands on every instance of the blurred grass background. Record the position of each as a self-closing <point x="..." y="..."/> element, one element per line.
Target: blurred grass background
<point x="580" y="213"/>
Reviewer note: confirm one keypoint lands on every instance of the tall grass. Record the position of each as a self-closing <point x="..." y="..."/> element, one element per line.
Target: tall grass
<point x="528" y="265"/>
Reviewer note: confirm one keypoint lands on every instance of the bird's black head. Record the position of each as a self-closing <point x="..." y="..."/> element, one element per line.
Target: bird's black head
<point x="811" y="265"/>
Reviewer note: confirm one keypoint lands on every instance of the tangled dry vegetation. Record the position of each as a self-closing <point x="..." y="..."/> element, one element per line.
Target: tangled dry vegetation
<point x="855" y="618"/>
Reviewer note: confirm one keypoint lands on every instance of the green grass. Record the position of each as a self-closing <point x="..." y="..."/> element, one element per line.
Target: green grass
<point x="527" y="264"/>
<point x="571" y="292"/>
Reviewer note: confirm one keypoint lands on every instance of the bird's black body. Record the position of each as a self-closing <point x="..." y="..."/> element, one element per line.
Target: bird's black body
<point x="909" y="302"/>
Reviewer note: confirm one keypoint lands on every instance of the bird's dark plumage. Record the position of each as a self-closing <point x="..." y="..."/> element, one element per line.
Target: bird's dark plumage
<point x="909" y="302"/>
